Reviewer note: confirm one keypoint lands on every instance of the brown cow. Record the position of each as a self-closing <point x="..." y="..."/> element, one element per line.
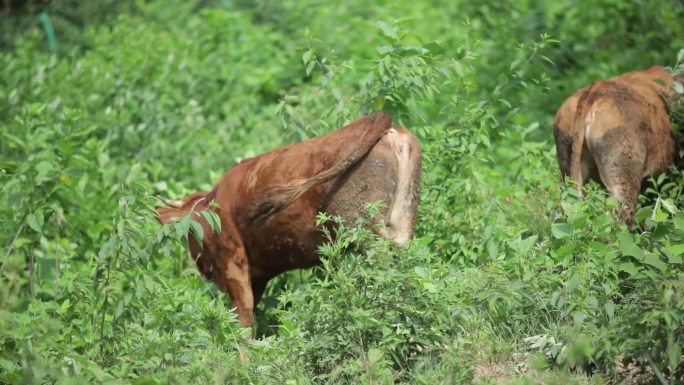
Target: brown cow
<point x="617" y="132"/>
<point x="268" y="204"/>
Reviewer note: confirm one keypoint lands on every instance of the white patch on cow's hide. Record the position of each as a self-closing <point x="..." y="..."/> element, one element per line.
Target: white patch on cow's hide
<point x="253" y="177"/>
<point x="589" y="121"/>
<point x="587" y="161"/>
<point x="399" y="223"/>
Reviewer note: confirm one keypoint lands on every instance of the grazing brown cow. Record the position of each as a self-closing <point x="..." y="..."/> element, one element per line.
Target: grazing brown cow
<point x="617" y="132"/>
<point x="268" y="204"/>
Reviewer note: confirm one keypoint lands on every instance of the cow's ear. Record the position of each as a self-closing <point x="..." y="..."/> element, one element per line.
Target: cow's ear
<point x="165" y="214"/>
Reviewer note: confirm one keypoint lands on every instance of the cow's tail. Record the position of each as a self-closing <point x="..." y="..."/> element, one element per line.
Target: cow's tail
<point x="278" y="198"/>
<point x="579" y="132"/>
<point x="576" y="157"/>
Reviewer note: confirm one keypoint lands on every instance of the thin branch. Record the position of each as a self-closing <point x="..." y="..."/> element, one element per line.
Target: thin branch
<point x="11" y="247"/>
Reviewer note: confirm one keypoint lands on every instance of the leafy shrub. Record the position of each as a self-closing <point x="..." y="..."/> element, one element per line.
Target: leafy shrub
<point x="370" y="312"/>
<point x="508" y="270"/>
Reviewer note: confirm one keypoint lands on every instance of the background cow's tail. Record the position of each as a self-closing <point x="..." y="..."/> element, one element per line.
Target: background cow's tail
<point x="576" y="154"/>
<point x="276" y="199"/>
<point x="584" y="104"/>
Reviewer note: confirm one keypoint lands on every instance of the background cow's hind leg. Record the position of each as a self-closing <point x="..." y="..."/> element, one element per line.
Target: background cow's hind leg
<point x="620" y="168"/>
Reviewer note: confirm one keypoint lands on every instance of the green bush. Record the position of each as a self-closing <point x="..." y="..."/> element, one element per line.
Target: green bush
<point x="382" y="315"/>
<point x="511" y="278"/>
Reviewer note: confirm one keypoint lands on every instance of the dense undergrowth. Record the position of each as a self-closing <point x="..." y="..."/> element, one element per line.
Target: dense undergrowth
<point x="511" y="277"/>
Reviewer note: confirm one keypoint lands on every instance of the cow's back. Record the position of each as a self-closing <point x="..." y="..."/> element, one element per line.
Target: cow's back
<point x="388" y="173"/>
<point x="619" y="133"/>
<point x="268" y="204"/>
<point x="631" y="110"/>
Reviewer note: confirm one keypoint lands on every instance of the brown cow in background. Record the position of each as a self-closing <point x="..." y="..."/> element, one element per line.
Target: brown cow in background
<point x="268" y="204"/>
<point x="617" y="132"/>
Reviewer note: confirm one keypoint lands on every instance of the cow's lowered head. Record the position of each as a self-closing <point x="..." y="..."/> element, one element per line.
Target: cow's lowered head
<point x="201" y="251"/>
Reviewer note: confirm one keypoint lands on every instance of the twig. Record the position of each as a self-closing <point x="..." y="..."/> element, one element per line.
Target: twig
<point x="11" y="247"/>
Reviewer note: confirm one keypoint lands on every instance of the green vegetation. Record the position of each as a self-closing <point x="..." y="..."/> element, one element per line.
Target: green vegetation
<point x="511" y="278"/>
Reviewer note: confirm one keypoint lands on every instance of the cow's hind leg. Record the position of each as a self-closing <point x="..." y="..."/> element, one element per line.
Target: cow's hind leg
<point x="621" y="166"/>
<point x="563" y="150"/>
<point x="258" y="288"/>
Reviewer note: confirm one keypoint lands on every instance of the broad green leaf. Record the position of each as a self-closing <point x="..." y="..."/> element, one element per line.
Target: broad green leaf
<point x="98" y="372"/>
<point x="36" y="108"/>
<point x="679" y="220"/>
<point x="212" y="219"/>
<point x="658" y="215"/>
<point x="561" y="230"/>
<point x="653" y="260"/>
<point x="592" y="302"/>
<point x="64" y="306"/>
<point x="627" y="245"/>
<point x="375" y="355"/>
<point x="183" y="226"/>
<point x="679" y="88"/>
<point x="307" y="56"/>
<point x="674" y="259"/>
<point x="35" y="221"/>
<point x="309" y="67"/>
<point x="197" y="231"/>
<point x="629" y="267"/>
<point x="388" y="30"/>
<point x="609" y="306"/>
<point x="524" y="246"/>
<point x="674" y="352"/>
<point x="145" y="380"/>
<point x="599" y="247"/>
<point x="119" y="309"/>
<point x="669" y="206"/>
<point x="566" y="249"/>
<point x="578" y="318"/>
<point x="421" y="271"/>
<point x="674" y="252"/>
<point x="44" y="170"/>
